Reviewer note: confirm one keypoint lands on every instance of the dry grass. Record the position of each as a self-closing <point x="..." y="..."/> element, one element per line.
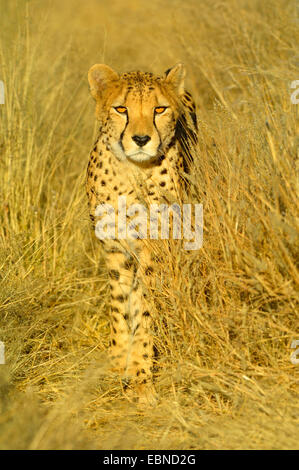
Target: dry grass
<point x="225" y="315"/>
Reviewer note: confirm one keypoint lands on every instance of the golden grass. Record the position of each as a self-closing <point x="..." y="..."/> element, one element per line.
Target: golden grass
<point x="226" y="315"/>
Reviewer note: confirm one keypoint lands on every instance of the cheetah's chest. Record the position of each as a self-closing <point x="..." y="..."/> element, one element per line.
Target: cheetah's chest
<point x="109" y="178"/>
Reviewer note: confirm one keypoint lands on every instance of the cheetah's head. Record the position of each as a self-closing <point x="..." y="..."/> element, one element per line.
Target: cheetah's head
<point x="138" y="110"/>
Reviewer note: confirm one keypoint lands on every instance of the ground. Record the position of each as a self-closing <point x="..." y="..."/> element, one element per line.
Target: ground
<point x="226" y="316"/>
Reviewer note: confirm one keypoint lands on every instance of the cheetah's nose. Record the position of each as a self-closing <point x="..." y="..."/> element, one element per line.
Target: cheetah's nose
<point x="141" y="140"/>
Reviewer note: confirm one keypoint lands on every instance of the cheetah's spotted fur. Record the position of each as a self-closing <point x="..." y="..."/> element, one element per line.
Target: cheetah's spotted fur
<point x="146" y="124"/>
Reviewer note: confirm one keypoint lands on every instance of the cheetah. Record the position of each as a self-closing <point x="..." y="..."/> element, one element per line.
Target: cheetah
<point x="147" y="124"/>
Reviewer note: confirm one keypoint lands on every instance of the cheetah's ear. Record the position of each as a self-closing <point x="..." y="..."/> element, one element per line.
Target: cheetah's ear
<point x="99" y="76"/>
<point x="175" y="76"/>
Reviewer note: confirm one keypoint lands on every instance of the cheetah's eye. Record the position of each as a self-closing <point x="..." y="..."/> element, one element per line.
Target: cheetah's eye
<point x="160" y="109"/>
<point x="121" y="109"/>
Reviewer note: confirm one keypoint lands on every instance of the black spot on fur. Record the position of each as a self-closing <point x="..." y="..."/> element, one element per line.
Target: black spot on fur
<point x="120" y="298"/>
<point x="149" y="270"/>
<point x="129" y="263"/>
<point x="114" y="274"/>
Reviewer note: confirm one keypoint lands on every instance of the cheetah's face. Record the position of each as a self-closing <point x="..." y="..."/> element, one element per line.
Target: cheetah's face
<point x="139" y="109"/>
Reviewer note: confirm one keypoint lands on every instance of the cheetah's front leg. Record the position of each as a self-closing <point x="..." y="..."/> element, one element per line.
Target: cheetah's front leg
<point x="141" y="347"/>
<point x="140" y="352"/>
<point x="121" y="277"/>
<point x="131" y="338"/>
